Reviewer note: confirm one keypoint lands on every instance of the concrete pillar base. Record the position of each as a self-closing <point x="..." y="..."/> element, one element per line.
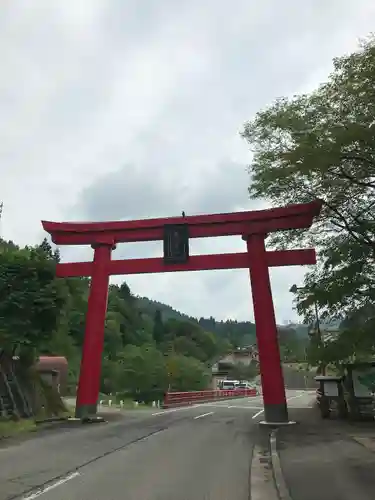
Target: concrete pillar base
<point x="93" y="420"/>
<point x="277" y="424"/>
<point x="276" y="412"/>
<point x="85" y="411"/>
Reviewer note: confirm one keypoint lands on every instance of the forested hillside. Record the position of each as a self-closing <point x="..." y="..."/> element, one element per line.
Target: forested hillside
<point x="148" y="345"/>
<point x="145" y="350"/>
<point x="238" y="333"/>
<point x="235" y="333"/>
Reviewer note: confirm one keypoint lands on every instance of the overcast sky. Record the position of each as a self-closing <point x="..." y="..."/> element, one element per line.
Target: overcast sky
<point x="120" y="109"/>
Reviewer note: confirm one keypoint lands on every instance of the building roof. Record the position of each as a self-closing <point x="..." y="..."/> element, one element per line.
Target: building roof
<point x="61" y="360"/>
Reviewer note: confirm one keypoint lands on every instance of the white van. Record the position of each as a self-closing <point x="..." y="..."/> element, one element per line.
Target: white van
<point x="228" y="385"/>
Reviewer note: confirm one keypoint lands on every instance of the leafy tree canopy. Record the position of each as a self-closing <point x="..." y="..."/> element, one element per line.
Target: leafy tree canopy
<point x="31" y="299"/>
<point x="322" y="146"/>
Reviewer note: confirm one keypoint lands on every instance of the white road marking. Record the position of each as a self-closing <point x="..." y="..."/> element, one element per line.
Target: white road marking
<point x="257" y="414"/>
<point x="204" y="415"/>
<point x="226" y="404"/>
<point x="288" y="399"/>
<point x="172" y="410"/>
<point x="244" y="407"/>
<point x="41" y="491"/>
<point x="295" y="397"/>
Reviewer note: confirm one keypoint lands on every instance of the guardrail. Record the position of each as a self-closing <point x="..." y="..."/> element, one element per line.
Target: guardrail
<point x="173" y="399"/>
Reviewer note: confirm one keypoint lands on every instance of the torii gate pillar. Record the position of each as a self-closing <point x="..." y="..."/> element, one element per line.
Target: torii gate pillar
<point x="91" y="361"/>
<point x="274" y="400"/>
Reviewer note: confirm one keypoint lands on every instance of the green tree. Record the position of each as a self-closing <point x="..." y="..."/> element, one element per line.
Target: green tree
<point x="189" y="339"/>
<point x="242" y="371"/>
<point x="73" y="316"/>
<point x="45" y="248"/>
<point x="158" y="329"/>
<point x="111" y="376"/>
<point x="322" y="146"/>
<point x="187" y="347"/>
<point x="131" y="324"/>
<point x="292" y="347"/>
<point x="30" y="299"/>
<point x="113" y="341"/>
<point x="124" y="292"/>
<point x="187" y="374"/>
<point x="143" y="372"/>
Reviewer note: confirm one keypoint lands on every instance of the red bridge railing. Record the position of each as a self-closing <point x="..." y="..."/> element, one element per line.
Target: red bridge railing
<point x="174" y="399"/>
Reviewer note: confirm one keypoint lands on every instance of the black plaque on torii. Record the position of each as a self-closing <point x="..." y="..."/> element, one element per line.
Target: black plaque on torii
<point x="176" y="243"/>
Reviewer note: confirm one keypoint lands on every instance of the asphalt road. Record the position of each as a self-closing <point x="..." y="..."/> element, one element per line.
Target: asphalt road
<point x="202" y="452"/>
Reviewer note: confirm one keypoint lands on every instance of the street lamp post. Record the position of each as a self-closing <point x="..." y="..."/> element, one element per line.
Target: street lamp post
<point x="295" y="289"/>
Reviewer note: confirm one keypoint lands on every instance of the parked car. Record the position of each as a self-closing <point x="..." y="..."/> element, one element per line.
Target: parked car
<point x="245" y="385"/>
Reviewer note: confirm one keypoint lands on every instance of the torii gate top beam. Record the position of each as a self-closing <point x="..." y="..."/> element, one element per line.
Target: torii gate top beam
<point x="200" y="226"/>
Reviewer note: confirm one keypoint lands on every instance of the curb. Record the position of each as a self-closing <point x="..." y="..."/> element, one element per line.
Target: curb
<point x="365" y="441"/>
<point x="262" y="482"/>
<point x="51" y="420"/>
<point x="277" y="470"/>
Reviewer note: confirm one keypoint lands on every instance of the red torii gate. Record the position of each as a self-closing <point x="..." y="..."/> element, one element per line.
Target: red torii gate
<point x="253" y="226"/>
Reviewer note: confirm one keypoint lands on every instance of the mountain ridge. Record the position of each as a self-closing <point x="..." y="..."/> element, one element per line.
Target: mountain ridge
<point x="239" y="332"/>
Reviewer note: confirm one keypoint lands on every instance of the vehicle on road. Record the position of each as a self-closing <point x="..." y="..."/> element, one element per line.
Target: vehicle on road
<point x="245" y="385"/>
<point x="228" y="385"/>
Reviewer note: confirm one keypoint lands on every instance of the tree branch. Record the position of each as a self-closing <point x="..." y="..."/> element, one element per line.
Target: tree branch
<point x="353" y="156"/>
<point x="367" y="208"/>
<point x="353" y="179"/>
<point x="346" y="225"/>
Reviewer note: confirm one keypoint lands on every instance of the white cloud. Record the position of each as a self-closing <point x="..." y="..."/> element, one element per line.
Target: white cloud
<point x="122" y="109"/>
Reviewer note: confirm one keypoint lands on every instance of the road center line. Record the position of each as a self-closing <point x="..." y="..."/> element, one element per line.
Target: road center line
<point x="204" y="415"/>
<point x="52" y="486"/>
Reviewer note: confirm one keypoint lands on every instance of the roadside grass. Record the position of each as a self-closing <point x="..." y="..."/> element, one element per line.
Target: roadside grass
<point x="65" y="411"/>
<point x="70" y="410"/>
<point x="9" y="428"/>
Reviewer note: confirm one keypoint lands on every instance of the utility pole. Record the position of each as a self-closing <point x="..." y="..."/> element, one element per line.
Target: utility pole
<point x="318" y="332"/>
